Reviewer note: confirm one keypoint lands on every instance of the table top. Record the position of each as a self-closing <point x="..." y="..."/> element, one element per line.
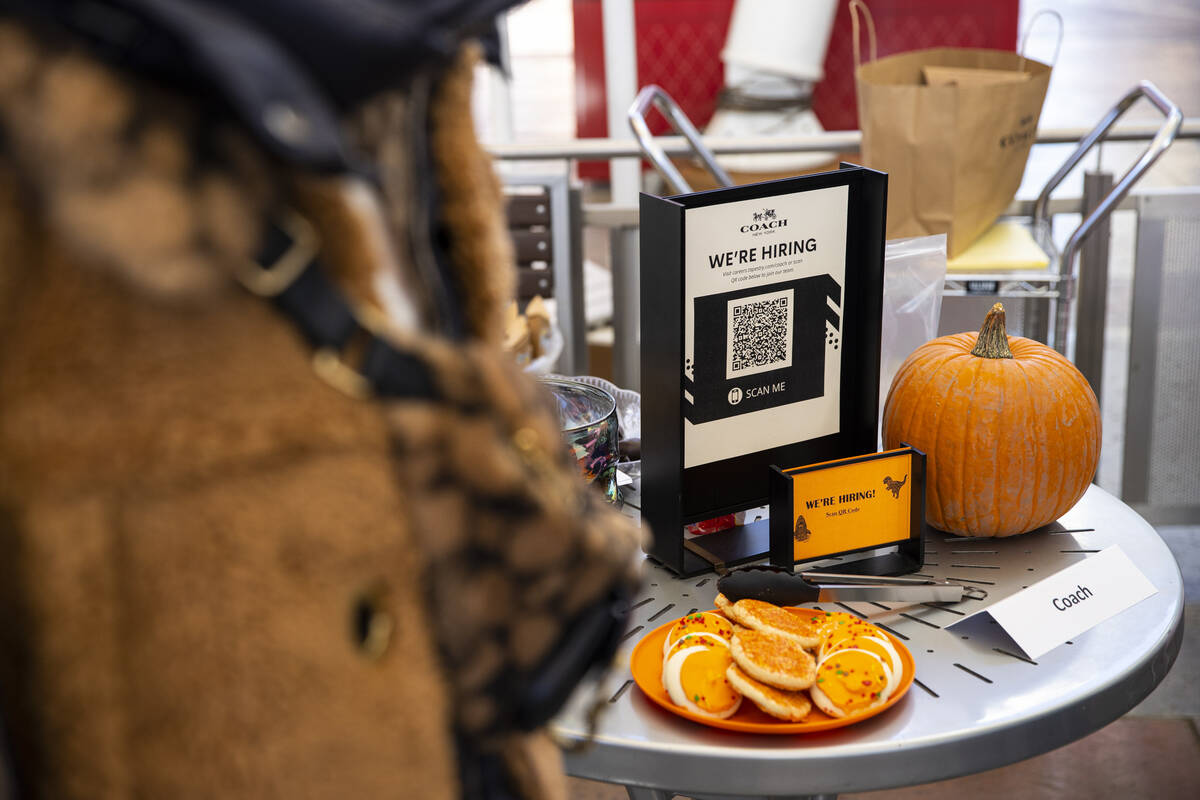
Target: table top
<point x="976" y="704"/>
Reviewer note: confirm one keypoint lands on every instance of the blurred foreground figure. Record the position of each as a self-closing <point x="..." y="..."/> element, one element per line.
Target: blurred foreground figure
<point x="277" y="517"/>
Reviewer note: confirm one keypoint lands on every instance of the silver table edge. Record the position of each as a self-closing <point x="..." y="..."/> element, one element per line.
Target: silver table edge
<point x="762" y="765"/>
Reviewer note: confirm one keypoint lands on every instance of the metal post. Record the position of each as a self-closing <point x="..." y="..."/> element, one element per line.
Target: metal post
<point x="1149" y="264"/>
<point x="574" y="359"/>
<point x="627" y="335"/>
<point x="620" y="77"/>
<point x="1092" y="289"/>
<point x="1035" y="319"/>
<point x="620" y="86"/>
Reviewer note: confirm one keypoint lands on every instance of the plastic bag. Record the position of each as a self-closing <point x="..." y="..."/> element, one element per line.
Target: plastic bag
<point x="914" y="272"/>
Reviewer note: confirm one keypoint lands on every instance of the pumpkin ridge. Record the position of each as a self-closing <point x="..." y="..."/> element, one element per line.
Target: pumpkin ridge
<point x="1031" y="411"/>
<point x="1046" y="409"/>
<point x="934" y="501"/>
<point x="1086" y="405"/>
<point x="1002" y="410"/>
<point x="1094" y="408"/>
<point x="941" y="365"/>
<point x="1025" y="348"/>
<point x="947" y="475"/>
<point x="970" y="512"/>
<point x="1059" y="465"/>
<point x="1071" y="477"/>
<point x="1082" y="411"/>
<point x="1061" y="403"/>
<point x="1046" y="466"/>
<point x="1076" y="410"/>
<point x="1079" y="434"/>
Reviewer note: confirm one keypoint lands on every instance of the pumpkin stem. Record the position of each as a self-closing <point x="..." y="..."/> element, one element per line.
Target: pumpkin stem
<point x="993" y="339"/>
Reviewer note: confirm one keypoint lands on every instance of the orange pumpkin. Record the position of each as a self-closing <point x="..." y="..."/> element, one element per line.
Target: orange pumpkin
<point x="1010" y="427"/>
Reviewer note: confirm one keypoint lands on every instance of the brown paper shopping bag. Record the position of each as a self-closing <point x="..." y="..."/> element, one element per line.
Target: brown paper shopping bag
<point x="952" y="127"/>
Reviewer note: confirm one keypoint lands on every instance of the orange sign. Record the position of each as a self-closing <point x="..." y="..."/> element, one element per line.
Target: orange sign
<point x="848" y="505"/>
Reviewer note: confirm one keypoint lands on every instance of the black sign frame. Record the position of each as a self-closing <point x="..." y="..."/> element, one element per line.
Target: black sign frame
<point x="909" y="552"/>
<point x="673" y="496"/>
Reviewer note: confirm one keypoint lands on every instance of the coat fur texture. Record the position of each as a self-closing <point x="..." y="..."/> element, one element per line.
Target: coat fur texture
<point x="203" y="546"/>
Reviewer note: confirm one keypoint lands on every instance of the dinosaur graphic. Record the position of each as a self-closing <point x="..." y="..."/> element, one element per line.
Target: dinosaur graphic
<point x="894" y="486"/>
<point x="802" y="532"/>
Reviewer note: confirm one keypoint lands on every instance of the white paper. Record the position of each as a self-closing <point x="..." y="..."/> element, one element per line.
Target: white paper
<point x="1069" y="602"/>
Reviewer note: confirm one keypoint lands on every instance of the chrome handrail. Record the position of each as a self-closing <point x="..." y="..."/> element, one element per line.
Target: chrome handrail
<point x="654" y="95"/>
<point x="600" y="148"/>
<point x="1163" y="138"/>
<point x="1164" y="134"/>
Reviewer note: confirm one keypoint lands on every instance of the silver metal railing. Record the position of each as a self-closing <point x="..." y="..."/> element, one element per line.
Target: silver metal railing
<point x="622" y="220"/>
<point x="1167" y="133"/>
<point x="1061" y="290"/>
<point x="655" y="96"/>
<point x="841" y="141"/>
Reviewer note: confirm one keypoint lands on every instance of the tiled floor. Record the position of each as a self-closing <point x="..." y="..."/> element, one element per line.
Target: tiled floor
<point x="1132" y="758"/>
<point x="1154" y="752"/>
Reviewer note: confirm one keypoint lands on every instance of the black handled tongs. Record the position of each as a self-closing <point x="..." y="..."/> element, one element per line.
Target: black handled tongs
<point x="781" y="587"/>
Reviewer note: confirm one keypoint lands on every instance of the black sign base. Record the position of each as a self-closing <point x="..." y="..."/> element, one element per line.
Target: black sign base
<point x="889" y="564"/>
<point x="740" y="544"/>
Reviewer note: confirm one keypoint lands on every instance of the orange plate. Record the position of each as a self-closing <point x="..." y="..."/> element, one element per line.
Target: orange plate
<point x="646" y="664"/>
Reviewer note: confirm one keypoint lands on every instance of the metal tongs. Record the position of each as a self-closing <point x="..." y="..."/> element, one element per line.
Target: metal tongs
<point x="781" y="587"/>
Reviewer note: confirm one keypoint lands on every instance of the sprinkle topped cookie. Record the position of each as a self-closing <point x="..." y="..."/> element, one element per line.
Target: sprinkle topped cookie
<point x="850" y="681"/>
<point x="694" y="677"/>
<point x="880" y="647"/>
<point x="698" y="622"/>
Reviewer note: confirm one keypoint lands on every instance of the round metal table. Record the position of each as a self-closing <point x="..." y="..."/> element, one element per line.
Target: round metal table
<point x="972" y="707"/>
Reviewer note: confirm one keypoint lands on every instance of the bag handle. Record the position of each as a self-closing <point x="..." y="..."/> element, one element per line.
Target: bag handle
<point x="1029" y="29"/>
<point x="678" y="120"/>
<point x="856" y="7"/>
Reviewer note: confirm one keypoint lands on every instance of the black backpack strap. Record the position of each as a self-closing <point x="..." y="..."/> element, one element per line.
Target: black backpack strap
<point x="347" y="353"/>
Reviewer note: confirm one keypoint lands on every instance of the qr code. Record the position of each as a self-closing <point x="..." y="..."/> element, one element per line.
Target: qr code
<point x="760" y="334"/>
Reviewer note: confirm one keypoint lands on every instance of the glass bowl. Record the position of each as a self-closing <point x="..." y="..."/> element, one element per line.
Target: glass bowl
<point x="588" y="416"/>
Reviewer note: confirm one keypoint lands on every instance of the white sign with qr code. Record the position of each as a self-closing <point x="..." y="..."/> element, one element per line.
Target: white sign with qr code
<point x="760" y="333"/>
<point x="762" y="323"/>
